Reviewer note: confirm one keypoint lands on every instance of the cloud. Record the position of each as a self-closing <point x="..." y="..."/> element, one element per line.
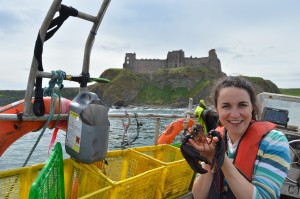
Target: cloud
<point x="8" y="21"/>
<point x="250" y="37"/>
<point x="237" y="56"/>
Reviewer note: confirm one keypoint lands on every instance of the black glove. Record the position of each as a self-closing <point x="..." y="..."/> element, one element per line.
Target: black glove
<point x="206" y="117"/>
<point x="210" y="118"/>
<point x="219" y="149"/>
<point x="192" y="156"/>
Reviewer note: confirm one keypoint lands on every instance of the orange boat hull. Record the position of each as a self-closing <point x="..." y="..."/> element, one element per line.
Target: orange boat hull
<point x="10" y="131"/>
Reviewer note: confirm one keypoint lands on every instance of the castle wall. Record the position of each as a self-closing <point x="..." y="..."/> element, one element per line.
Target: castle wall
<point x="196" y="62"/>
<point x="148" y="65"/>
<point x="174" y="59"/>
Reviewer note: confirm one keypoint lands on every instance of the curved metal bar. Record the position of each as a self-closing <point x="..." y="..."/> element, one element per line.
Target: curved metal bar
<point x="90" y="41"/>
<point x="34" y="65"/>
<point x="55" y="6"/>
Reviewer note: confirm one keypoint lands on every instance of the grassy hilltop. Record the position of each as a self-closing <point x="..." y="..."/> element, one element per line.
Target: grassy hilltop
<point x="170" y="87"/>
<point x="290" y="91"/>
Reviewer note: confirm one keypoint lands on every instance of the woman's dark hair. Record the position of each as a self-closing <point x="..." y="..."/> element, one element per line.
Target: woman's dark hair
<point x="238" y="82"/>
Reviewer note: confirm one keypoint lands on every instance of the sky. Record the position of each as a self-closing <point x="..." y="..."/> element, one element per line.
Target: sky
<point x="251" y="38"/>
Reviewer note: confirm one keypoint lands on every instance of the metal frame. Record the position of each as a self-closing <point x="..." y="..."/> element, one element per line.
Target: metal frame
<point x="27" y="110"/>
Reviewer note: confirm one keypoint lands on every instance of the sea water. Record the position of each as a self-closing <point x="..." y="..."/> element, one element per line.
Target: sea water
<point x="17" y="153"/>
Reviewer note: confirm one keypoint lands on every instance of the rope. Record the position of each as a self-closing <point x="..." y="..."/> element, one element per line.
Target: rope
<point x="50" y="91"/>
<point x="56" y="79"/>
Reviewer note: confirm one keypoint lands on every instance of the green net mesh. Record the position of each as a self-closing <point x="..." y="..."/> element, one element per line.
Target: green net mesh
<point x="50" y="181"/>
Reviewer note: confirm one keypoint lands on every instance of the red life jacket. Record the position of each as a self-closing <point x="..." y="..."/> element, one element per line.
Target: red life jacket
<point x="248" y="147"/>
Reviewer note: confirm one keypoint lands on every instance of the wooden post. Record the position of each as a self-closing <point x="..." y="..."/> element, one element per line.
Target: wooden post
<point x="156" y="130"/>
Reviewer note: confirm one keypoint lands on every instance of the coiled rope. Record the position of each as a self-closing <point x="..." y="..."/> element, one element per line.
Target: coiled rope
<point x="56" y="79"/>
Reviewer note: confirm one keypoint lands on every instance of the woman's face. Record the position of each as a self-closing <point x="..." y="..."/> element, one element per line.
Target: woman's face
<point x="235" y="110"/>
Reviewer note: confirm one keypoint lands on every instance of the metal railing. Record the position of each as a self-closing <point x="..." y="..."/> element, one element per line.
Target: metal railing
<point x="158" y="117"/>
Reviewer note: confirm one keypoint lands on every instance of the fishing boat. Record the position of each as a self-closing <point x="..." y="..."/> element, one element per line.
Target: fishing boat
<point x="157" y="171"/>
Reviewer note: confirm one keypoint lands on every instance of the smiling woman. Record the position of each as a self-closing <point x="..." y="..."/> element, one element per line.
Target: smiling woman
<point x="251" y="168"/>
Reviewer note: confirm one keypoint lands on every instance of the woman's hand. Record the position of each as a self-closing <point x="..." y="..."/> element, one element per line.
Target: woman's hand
<point x="205" y="146"/>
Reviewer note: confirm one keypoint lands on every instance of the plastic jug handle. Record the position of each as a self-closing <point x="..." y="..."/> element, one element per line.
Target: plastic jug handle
<point x="85" y="97"/>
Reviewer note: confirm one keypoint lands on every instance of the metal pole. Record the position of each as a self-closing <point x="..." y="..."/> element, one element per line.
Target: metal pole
<point x="90" y="41"/>
<point x="14" y="117"/>
<point x="34" y="65"/>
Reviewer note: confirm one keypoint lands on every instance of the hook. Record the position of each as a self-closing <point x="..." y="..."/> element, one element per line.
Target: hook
<point x="126" y="127"/>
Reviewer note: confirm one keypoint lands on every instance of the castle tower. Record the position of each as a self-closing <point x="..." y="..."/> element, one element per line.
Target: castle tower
<point x="175" y="59"/>
<point x="129" y="61"/>
<point x="214" y="62"/>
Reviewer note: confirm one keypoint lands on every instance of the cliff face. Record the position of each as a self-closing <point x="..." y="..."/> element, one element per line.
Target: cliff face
<point x="171" y="87"/>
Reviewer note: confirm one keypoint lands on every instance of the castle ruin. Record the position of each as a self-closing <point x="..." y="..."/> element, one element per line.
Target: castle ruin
<point x="174" y="59"/>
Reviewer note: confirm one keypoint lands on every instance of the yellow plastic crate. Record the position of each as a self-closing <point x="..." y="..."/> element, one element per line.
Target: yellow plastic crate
<point x="79" y="181"/>
<point x="177" y="175"/>
<point x="16" y="183"/>
<point x="133" y="175"/>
